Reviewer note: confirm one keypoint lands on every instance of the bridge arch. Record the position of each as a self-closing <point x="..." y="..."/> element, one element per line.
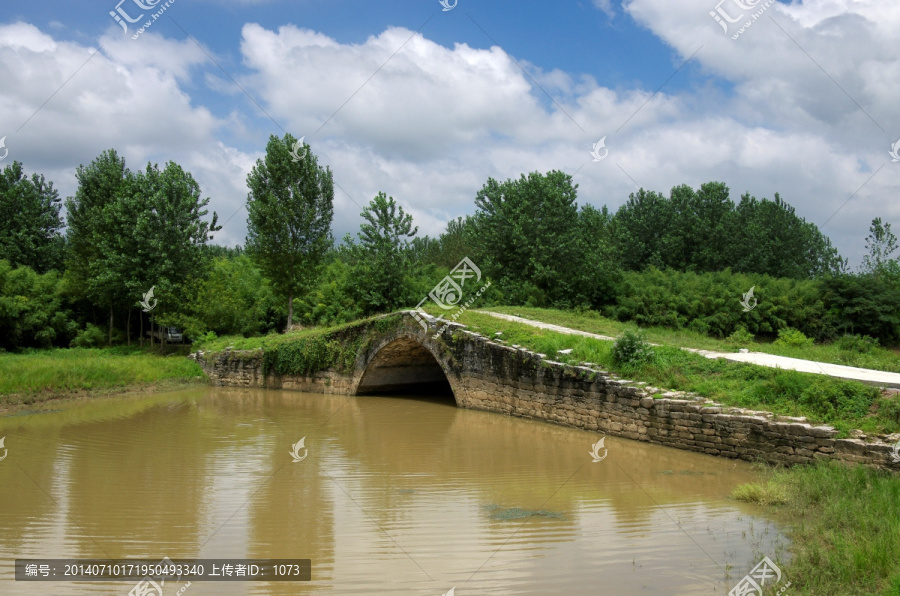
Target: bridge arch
<point x="404" y="361"/>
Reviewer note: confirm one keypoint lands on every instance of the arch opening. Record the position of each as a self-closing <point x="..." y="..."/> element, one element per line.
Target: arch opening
<point x="405" y="367"/>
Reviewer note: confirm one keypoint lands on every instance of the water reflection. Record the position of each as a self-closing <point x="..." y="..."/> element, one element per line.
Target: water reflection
<point x="398" y="495"/>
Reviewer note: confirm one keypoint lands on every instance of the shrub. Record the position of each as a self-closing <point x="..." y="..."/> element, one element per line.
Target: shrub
<point x="90" y="337"/>
<point x="792" y="337"/>
<point x="832" y="399"/>
<point x="33" y="310"/>
<point x="740" y="337"/>
<point x="206" y="338"/>
<point x="632" y="348"/>
<point x="889" y="409"/>
<point x="862" y="344"/>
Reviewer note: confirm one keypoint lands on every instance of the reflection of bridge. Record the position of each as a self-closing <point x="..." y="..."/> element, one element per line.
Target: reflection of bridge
<point x="396" y="353"/>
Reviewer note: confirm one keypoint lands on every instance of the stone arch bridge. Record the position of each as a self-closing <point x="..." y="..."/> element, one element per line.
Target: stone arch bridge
<point x="407" y="350"/>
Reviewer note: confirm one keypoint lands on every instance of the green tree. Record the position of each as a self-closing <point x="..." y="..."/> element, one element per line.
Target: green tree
<point x="233" y="298"/>
<point x="526" y="236"/>
<point x="94" y="267"/>
<point x="768" y="237"/>
<point x="699" y="228"/>
<point x="641" y="227"/>
<point x="881" y="243"/>
<point x="599" y="273"/>
<point x="165" y="249"/>
<point x="33" y="311"/>
<point x="129" y="232"/>
<point x="289" y="213"/>
<point x="382" y="259"/>
<point x="456" y="242"/>
<point x="29" y="220"/>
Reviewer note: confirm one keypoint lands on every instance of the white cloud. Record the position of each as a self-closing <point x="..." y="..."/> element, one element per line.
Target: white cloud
<point x="434" y="123"/>
<point x="606" y="6"/>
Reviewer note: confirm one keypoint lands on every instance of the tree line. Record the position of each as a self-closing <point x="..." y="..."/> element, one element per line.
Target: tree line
<point x="680" y="260"/>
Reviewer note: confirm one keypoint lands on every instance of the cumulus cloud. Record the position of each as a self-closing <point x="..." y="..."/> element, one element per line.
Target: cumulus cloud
<point x="797" y="105"/>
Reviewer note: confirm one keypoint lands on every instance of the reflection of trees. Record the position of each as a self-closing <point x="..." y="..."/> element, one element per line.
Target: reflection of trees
<point x="25" y="507"/>
<point x="292" y="516"/>
<point x="136" y="485"/>
<point x="140" y="479"/>
<point x="47" y="451"/>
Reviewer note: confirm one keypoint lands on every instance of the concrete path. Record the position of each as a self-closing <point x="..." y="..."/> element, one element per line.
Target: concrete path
<point x="873" y="377"/>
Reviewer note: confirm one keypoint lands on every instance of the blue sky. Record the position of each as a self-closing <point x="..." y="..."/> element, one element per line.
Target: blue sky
<point x="801" y="102"/>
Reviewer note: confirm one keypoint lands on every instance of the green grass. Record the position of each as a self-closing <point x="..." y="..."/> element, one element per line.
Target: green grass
<point x="42" y="374"/>
<point x="592" y="322"/>
<point x="844" y="404"/>
<point x="309" y="350"/>
<point x="845" y="523"/>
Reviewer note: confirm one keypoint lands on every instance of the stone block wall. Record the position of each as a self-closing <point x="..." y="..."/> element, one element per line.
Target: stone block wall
<point x="487" y="375"/>
<point x="233" y="368"/>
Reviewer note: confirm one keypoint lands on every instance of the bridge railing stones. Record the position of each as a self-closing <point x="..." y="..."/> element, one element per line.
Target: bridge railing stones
<point x="486" y="375"/>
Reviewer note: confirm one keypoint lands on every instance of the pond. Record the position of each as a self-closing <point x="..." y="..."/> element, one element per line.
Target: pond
<point x="392" y="494"/>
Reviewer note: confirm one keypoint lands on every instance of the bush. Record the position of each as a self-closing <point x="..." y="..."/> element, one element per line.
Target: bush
<point x="711" y="302"/>
<point x="792" y="337"/>
<point x="207" y="337"/>
<point x="864" y="304"/>
<point x="33" y="311"/>
<point x="862" y="344"/>
<point x="90" y="337"/>
<point x="632" y="348"/>
<point x="741" y="337"/>
<point x="831" y="399"/>
<point x="889" y="409"/>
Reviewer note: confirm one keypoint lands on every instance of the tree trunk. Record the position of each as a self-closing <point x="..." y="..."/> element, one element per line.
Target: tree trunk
<point x="128" y="332"/>
<point x="151" y="332"/>
<point x="290" y="311"/>
<point x="142" y="329"/>
<point x="110" y="323"/>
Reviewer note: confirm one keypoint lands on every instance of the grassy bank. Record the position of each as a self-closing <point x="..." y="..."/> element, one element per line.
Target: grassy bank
<point x="845" y="404"/>
<point x="592" y="322"/>
<point x="845" y="527"/>
<point x="40" y="375"/>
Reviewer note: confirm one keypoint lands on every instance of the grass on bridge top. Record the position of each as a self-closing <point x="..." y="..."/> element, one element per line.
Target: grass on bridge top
<point x="877" y="359"/>
<point x="844" y="404"/>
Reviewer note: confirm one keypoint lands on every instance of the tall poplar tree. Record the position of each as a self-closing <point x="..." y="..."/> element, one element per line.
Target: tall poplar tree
<point x="289" y="213"/>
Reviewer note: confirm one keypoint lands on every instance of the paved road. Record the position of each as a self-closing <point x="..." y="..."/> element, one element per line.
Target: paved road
<point x="873" y="377"/>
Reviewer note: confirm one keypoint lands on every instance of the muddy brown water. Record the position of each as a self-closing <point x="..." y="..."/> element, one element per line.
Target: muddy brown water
<point x="396" y="495"/>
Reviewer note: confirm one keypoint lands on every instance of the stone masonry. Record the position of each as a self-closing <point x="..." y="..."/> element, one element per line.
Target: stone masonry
<point x="486" y="375"/>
